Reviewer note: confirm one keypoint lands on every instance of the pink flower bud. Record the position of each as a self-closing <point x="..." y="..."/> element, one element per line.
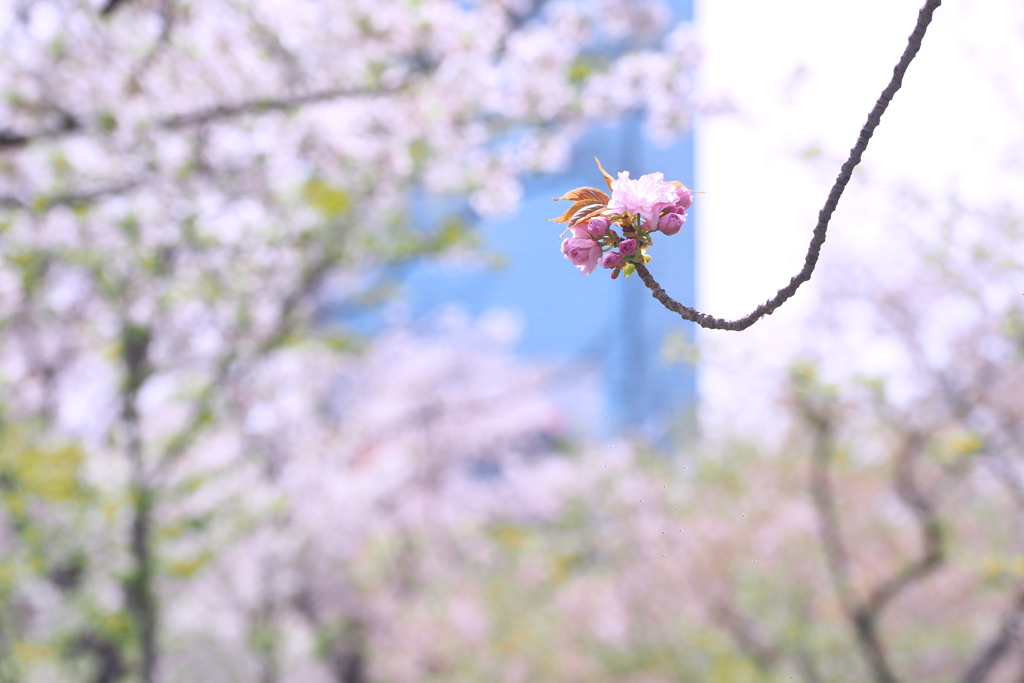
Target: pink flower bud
<point x="627" y="247"/>
<point x="670" y="223"/>
<point x="597" y="227"/>
<point x="685" y="199"/>
<point x="612" y="259"/>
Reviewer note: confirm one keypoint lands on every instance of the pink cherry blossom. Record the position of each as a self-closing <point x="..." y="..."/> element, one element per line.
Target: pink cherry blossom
<point x="583" y="252"/>
<point x="684" y="198"/>
<point x="627" y="247"/>
<point x="582" y="232"/>
<point x="646" y="197"/>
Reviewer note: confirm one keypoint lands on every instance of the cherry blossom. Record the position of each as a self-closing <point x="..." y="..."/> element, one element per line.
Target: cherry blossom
<point x="647" y="197"/>
<point x="639" y="207"/>
<point x="197" y="201"/>
<point x="584" y="252"/>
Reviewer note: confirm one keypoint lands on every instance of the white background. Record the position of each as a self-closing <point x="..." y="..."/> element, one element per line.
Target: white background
<point x="802" y="75"/>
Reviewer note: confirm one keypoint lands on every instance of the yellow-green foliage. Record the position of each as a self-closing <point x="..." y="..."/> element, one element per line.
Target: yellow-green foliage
<point x="188" y="567"/>
<point x="30" y="471"/>
<point x="329" y="201"/>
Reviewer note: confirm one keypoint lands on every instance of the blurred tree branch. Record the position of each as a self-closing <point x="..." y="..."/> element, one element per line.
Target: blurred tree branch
<point x="992" y="653"/>
<point x="263" y="105"/>
<point x="933" y="551"/>
<point x="71" y="199"/>
<point x="748" y="635"/>
<point x="864" y="614"/>
<point x="71" y="125"/>
<point x="66" y="125"/>
<point x="287" y="323"/>
<point x="964" y="413"/>
<point x="111" y="6"/>
<point x="171" y="320"/>
<point x="139" y="589"/>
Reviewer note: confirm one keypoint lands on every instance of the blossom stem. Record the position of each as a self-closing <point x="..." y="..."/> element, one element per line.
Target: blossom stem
<point x="824" y="216"/>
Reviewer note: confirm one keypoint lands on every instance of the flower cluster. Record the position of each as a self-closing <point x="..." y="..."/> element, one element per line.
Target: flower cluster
<point x="639" y="207"/>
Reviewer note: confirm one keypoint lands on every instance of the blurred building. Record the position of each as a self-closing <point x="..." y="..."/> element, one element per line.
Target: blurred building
<point x="625" y="362"/>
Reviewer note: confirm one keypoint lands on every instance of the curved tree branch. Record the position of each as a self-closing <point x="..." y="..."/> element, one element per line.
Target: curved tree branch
<point x="70" y="125"/>
<point x="861" y="616"/>
<point x="72" y="199"/>
<point x="710" y="322"/>
<point x="1000" y="645"/>
<point x="933" y="551"/>
<point x="264" y="105"/>
<point x="865" y="613"/>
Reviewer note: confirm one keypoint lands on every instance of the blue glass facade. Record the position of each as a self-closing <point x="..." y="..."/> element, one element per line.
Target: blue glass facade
<point x="636" y="349"/>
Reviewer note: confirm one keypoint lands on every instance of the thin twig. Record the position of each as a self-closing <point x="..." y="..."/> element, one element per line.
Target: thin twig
<point x="863" y="619"/>
<point x="69" y="125"/>
<point x="865" y="614"/>
<point x="999" y="646"/>
<point x="752" y="641"/>
<point x="824" y="216"/>
<point x="110" y="7"/>
<point x="263" y="105"/>
<point x="167" y="21"/>
<point x="287" y="322"/>
<point x="933" y="552"/>
<point x="72" y="199"/>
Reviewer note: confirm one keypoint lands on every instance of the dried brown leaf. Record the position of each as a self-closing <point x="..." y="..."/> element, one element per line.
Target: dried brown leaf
<point x="586" y="214"/>
<point x="591" y="193"/>
<point x="680" y="185"/>
<point x="579" y="210"/>
<point x="607" y="178"/>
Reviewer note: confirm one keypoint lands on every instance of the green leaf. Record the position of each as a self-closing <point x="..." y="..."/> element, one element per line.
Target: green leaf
<point x="107" y="121"/>
<point x="419" y="150"/>
<point x="50" y="474"/>
<point x="32" y="267"/>
<point x="581" y="68"/>
<point x="327" y="200"/>
<point x="187" y="568"/>
<point x="510" y="536"/>
<point x="454" y="232"/>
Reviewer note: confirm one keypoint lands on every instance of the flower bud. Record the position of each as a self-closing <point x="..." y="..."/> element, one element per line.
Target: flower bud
<point x="612" y="259"/>
<point x="597" y="227"/>
<point x="627" y="247"/>
<point x="670" y="223"/>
